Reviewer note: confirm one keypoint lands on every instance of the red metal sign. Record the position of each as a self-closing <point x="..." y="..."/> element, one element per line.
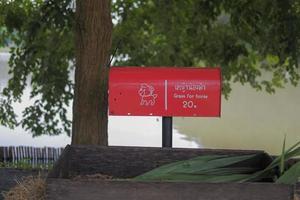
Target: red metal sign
<point x="165" y="91"/>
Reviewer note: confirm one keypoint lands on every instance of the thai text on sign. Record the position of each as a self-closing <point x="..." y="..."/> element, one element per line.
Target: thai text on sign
<point x="165" y="91"/>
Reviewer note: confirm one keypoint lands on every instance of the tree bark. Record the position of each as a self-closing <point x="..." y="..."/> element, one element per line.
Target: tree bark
<point x="92" y="42"/>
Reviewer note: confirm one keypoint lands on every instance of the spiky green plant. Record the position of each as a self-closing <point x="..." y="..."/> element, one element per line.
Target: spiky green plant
<point x="222" y="168"/>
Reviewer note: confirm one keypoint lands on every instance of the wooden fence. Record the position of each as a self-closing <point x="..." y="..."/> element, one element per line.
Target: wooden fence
<point x="31" y="155"/>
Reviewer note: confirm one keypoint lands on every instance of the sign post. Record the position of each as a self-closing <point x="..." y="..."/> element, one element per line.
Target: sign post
<point x="167" y="131"/>
<point x="166" y="92"/>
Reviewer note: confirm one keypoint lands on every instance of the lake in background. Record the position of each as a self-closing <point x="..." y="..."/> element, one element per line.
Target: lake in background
<point x="249" y="120"/>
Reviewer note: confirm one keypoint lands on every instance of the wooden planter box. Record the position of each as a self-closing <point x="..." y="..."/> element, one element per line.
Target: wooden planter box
<point x="127" y="162"/>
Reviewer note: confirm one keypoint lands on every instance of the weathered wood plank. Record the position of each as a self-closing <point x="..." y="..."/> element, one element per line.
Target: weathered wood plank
<point x="65" y="189"/>
<point x="125" y="162"/>
<point x="297" y="191"/>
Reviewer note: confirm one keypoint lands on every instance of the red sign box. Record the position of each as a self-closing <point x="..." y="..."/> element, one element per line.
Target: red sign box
<point x="165" y="91"/>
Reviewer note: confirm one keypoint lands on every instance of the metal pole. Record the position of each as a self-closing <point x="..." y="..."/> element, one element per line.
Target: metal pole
<point x="167" y="128"/>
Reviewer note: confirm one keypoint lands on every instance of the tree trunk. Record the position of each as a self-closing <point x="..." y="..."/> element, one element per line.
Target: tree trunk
<point x="93" y="42"/>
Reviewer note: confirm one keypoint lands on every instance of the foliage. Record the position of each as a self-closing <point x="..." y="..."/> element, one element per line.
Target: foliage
<point x="290" y="176"/>
<point x="25" y="164"/>
<point x="221" y="169"/>
<point x="212" y="168"/>
<point x="246" y="38"/>
<point x="283" y="177"/>
<point x="42" y="50"/>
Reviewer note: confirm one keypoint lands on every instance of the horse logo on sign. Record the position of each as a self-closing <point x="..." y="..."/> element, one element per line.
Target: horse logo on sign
<point x="147" y="95"/>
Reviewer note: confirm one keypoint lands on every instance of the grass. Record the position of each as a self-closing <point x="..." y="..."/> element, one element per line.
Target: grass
<point x="25" y="164"/>
<point x="29" y="188"/>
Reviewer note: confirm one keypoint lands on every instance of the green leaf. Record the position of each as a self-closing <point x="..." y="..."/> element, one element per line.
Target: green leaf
<point x="293" y="151"/>
<point x="291" y="176"/>
<point x="203" y="168"/>
<point x="282" y="160"/>
<point x="165" y="169"/>
<point x="226" y="171"/>
<point x="197" y="167"/>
